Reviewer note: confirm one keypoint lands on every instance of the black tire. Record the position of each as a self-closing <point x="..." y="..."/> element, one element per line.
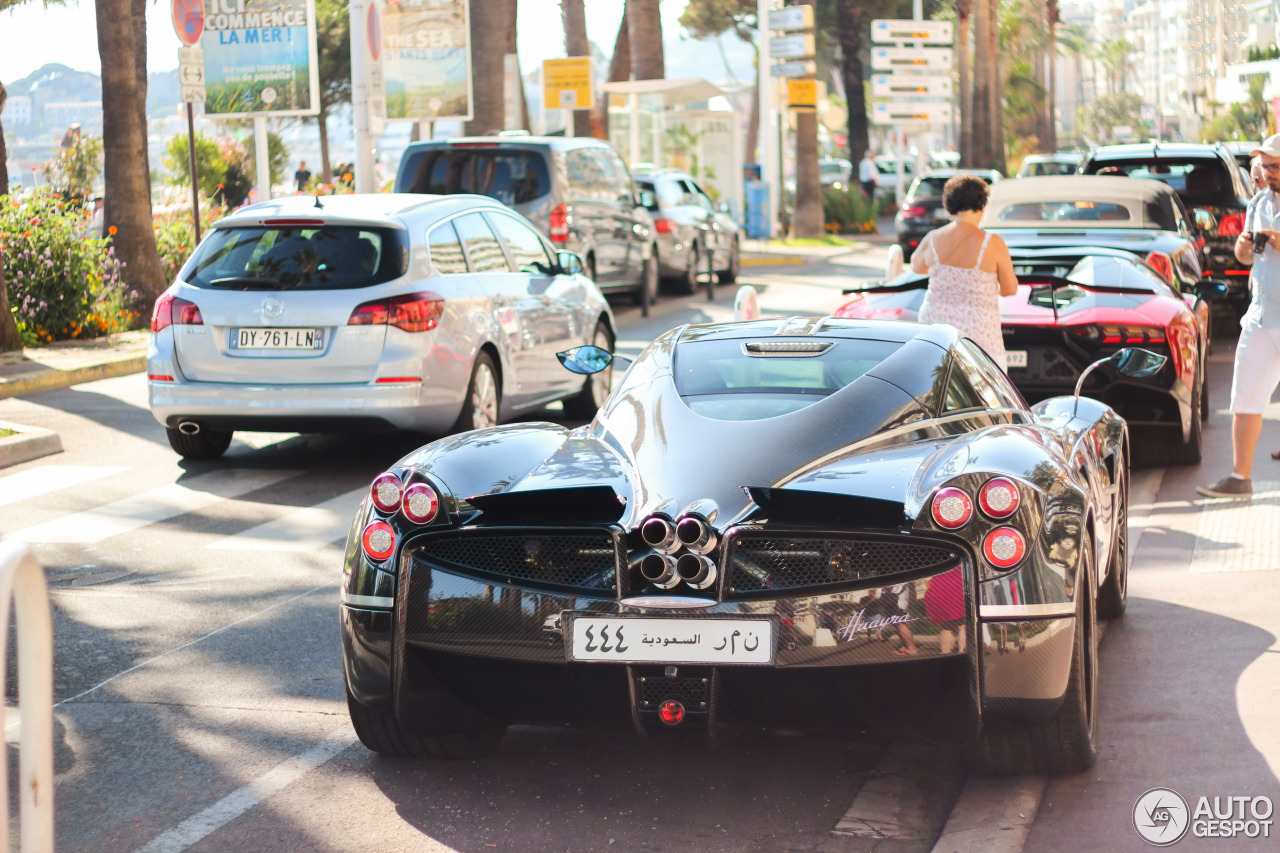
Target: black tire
<point x="1067" y="742"/>
<point x="681" y="285"/>
<point x="710" y="273"/>
<point x="382" y="733"/>
<point x="206" y="444"/>
<point x="1113" y="595"/>
<point x="730" y="275"/>
<point x="689" y="283"/>
<point x="647" y="293"/>
<point x="597" y="387"/>
<point x="589" y="267"/>
<point x="479" y="409"/>
<point x="1204" y="390"/>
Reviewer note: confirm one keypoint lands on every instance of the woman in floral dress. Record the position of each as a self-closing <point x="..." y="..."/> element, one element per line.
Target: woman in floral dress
<point x="968" y="269"/>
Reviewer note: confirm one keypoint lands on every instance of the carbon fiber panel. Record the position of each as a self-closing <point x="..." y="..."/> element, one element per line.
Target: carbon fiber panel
<point x="764" y="563"/>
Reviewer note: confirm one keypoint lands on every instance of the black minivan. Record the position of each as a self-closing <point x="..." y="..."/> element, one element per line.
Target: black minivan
<point x="576" y="190"/>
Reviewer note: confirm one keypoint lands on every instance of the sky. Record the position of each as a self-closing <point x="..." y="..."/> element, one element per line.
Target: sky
<point x="31" y="35"/>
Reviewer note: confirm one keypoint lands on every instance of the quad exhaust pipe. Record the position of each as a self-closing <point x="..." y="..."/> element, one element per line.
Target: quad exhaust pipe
<point x="659" y="533"/>
<point x="696" y="534"/>
<point x="660" y="570"/>
<point x="188" y="427"/>
<point x="698" y="571"/>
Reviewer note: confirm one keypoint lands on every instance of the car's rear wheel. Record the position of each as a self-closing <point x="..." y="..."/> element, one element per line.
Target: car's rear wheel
<point x="1113" y="595"/>
<point x="690" y="283"/>
<point x="1179" y="452"/>
<point x="484" y="396"/>
<point x="382" y="733"/>
<point x="598" y="385"/>
<point x="205" y="444"/>
<point x="1067" y="742"/>
<point x="730" y="275"/>
<point x="710" y="273"/>
<point x="648" y="292"/>
<point x="1204" y="390"/>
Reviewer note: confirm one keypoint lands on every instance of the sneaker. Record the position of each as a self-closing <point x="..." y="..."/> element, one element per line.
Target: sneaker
<point x="1228" y="487"/>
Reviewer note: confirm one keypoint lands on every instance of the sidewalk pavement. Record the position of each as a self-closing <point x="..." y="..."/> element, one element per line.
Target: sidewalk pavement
<point x="58" y="366"/>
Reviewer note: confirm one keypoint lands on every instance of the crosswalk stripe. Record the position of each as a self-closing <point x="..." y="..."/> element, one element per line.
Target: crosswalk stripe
<point x="301" y="530"/>
<point x="49" y="478"/>
<point x="150" y="507"/>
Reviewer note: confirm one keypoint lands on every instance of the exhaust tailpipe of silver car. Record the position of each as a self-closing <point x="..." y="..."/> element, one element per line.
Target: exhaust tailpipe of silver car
<point x="660" y="570"/>
<point x="696" y="570"/>
<point x="659" y="533"/>
<point x="695" y="534"/>
<point x="188" y="427"/>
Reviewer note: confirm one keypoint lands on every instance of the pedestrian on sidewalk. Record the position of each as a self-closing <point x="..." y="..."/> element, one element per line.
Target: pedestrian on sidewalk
<point x="868" y="176"/>
<point x="1257" y="366"/>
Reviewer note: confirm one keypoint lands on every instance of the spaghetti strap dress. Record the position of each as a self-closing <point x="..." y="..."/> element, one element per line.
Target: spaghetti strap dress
<point x="967" y="298"/>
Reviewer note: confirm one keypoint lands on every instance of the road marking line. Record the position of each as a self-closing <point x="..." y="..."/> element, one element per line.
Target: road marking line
<point x="302" y="530"/>
<point x="1235" y="535"/>
<point x="196" y="827"/>
<point x="149" y="507"/>
<point x="49" y="478"/>
<point x="992" y="815"/>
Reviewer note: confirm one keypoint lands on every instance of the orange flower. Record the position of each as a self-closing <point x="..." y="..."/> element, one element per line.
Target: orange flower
<point x="112" y="231"/>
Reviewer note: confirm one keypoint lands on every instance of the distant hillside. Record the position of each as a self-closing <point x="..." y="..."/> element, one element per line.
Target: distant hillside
<point x="55" y="83"/>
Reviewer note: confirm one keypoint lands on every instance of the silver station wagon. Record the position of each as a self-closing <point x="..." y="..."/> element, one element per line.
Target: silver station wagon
<point x="368" y="312"/>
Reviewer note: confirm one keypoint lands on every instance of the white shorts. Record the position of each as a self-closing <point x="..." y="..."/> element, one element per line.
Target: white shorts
<point x="1257" y="370"/>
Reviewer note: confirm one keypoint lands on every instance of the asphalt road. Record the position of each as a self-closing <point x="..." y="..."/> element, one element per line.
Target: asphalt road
<point x="200" y="703"/>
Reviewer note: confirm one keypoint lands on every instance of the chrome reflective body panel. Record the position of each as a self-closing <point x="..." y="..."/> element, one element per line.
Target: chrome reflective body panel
<point x="822" y="526"/>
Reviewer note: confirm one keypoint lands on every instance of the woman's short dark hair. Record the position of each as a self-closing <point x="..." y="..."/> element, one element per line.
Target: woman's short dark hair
<point x="965" y="192"/>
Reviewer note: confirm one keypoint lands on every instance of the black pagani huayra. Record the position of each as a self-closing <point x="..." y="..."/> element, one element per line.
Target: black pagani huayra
<point x="818" y="524"/>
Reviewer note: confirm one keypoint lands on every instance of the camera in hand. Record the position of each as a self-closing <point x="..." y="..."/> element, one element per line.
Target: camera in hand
<point x="1259" y="242"/>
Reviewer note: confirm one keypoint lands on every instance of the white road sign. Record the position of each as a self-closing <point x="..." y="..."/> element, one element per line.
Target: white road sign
<point x="795" y="68"/>
<point x="909" y="113"/>
<point x="191" y="74"/>
<point x="925" y="32"/>
<point x="192" y="94"/>
<point x="791" y="18"/>
<point x="915" y="58"/>
<point x="791" y="47"/>
<point x="892" y="85"/>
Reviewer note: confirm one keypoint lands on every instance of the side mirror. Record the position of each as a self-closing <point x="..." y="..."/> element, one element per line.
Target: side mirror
<point x="1205" y="221"/>
<point x="1210" y="289"/>
<point x="645" y="198"/>
<point x="570" y="263"/>
<point x="724" y="207"/>
<point x="1130" y="361"/>
<point x="585" y="360"/>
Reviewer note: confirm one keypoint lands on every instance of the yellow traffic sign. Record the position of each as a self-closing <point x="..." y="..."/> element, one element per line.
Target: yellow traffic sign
<point x="567" y="83"/>
<point x="802" y="94"/>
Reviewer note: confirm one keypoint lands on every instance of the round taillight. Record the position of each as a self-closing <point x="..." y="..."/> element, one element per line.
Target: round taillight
<point x="420" y="503"/>
<point x="999" y="498"/>
<point x="386" y="492"/>
<point x="1004" y="547"/>
<point x="671" y="712"/>
<point x="952" y="508"/>
<point x="379" y="540"/>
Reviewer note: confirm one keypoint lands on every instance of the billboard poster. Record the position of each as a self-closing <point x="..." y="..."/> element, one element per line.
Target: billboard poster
<point x="260" y="58"/>
<point x="427" y="59"/>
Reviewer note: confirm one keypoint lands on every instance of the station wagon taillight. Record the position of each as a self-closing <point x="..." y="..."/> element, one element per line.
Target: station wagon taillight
<point x="412" y="312"/>
<point x="559" y="224"/>
<point x="1231" y="225"/>
<point x="663" y="226"/>
<point x="170" y="311"/>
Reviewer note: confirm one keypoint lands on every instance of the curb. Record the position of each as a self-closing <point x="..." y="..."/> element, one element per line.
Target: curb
<point x="45" y="379"/>
<point x="779" y="261"/>
<point x="29" y="443"/>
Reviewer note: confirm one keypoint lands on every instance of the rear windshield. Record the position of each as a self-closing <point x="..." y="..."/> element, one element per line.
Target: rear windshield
<point x="932" y="187"/>
<point x="1036" y="170"/>
<point x="298" y="258"/>
<point x="1192" y="175"/>
<point x="1066" y="211"/>
<point x="511" y="177"/>
<point x="741" y="380"/>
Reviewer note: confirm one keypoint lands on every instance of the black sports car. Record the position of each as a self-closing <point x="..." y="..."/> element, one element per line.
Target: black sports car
<point x="819" y="524"/>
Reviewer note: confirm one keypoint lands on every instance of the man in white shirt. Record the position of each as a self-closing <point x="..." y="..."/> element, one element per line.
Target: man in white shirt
<point x="868" y="175"/>
<point x="1257" y="367"/>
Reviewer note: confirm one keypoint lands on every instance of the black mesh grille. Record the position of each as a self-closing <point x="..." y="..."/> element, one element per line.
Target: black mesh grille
<point x="762" y="564"/>
<point x="582" y="561"/>
<point x="693" y="693"/>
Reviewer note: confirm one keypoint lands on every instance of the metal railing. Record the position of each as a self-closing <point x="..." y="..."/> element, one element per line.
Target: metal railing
<point x="22" y="581"/>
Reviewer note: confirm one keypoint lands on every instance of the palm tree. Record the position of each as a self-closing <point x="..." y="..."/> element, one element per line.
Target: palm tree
<point x="1073" y="42"/>
<point x="1050" y="140"/>
<point x="644" y="26"/>
<point x="127" y="196"/>
<point x="1115" y="59"/>
<point x="964" y="11"/>
<point x="983" y="83"/>
<point x="9" y="338"/>
<point x="574" y="13"/>
<point x="619" y="67"/>
<point x="489" y="25"/>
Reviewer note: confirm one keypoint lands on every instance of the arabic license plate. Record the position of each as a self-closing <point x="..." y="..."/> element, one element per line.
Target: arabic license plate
<point x="1016" y="358"/>
<point x="277" y="338"/>
<point x="662" y="639"/>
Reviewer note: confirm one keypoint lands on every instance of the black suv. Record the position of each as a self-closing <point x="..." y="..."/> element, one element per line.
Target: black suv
<point x="577" y="191"/>
<point x="1207" y="179"/>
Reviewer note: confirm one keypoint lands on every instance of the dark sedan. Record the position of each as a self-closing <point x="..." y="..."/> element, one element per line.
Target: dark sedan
<point x="754" y="505"/>
<point x="922" y="209"/>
